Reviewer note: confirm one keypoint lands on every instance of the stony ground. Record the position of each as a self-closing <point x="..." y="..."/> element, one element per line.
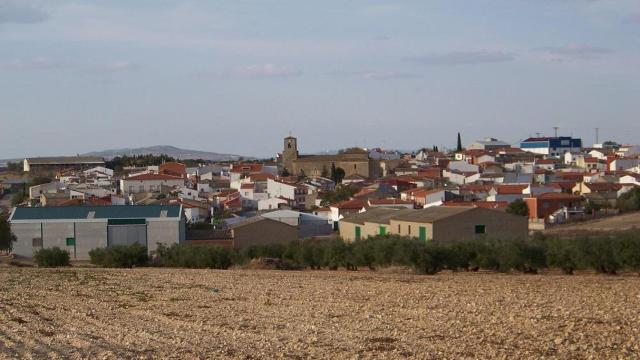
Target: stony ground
<point x="167" y="313"/>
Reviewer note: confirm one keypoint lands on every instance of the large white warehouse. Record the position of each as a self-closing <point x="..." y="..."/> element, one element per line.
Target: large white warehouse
<point x="80" y="229"/>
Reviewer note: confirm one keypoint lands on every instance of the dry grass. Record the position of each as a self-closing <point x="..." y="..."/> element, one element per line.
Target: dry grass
<point x="613" y="223"/>
<point x="169" y="313"/>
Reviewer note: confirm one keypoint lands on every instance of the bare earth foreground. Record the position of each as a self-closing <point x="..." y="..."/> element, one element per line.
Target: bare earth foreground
<point x="168" y="313"/>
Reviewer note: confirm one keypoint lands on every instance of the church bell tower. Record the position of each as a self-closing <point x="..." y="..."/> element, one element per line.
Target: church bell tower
<point x="289" y="153"/>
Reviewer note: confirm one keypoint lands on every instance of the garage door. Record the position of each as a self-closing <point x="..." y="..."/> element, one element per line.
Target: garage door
<point x="127" y="232"/>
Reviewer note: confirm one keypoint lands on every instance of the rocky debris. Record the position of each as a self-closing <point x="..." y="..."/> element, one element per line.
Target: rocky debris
<point x="171" y="313"/>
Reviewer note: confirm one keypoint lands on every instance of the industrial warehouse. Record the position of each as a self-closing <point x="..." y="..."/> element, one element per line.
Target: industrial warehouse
<point x="79" y="229"/>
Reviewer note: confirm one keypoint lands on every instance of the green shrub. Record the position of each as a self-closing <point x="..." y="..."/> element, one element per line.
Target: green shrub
<point x="562" y="254"/>
<point x="463" y="256"/>
<point x="629" y="250"/>
<point x="313" y="253"/>
<point x="532" y="256"/>
<point x="337" y="254"/>
<point x="431" y="259"/>
<point x="363" y="252"/>
<point x="196" y="257"/>
<point x="629" y="201"/>
<point x="52" y="257"/>
<point x="599" y="253"/>
<point x="120" y="256"/>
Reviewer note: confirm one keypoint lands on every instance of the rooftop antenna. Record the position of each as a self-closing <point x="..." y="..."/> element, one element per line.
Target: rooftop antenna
<point x="555" y="130"/>
<point x="597" y="135"/>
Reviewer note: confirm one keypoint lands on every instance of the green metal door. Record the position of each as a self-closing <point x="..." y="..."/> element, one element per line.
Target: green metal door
<point x="357" y="232"/>
<point x="383" y="230"/>
<point x="423" y="233"/>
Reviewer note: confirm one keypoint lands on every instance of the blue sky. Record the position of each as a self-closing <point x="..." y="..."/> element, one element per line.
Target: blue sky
<point x="238" y="76"/>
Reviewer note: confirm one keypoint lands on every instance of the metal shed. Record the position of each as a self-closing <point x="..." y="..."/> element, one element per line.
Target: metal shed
<point x="79" y="229"/>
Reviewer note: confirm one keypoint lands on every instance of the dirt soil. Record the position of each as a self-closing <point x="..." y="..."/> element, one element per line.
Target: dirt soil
<point x="613" y="223"/>
<point x="168" y="313"/>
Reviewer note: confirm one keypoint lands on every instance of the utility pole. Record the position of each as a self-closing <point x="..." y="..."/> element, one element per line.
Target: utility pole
<point x="555" y="130"/>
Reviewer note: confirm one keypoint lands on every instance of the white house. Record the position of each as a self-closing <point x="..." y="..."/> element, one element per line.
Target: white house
<point x="149" y="183"/>
<point x="271" y="203"/>
<point x="98" y="171"/>
<point x="488" y="144"/>
<point x="628" y="150"/>
<point x="37" y="190"/>
<point x="508" y="193"/>
<point x="298" y="195"/>
<point x="84" y="191"/>
<point x="190" y="194"/>
<point x="463" y="166"/>
<point x="460" y="178"/>
<point x="633" y="179"/>
<point x="623" y="164"/>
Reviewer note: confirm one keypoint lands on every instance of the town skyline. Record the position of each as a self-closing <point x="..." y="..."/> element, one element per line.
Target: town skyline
<point x="189" y="74"/>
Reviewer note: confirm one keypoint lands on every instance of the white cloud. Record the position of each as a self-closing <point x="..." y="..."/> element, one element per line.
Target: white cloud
<point x="375" y="74"/>
<point x="634" y="18"/>
<point x="574" y="52"/>
<point x="464" y="58"/>
<point x="21" y="11"/>
<point x="119" y="66"/>
<point x="263" y="71"/>
<point x="40" y="63"/>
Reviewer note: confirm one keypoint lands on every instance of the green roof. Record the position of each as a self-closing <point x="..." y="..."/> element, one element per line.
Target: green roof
<point x="96" y="212"/>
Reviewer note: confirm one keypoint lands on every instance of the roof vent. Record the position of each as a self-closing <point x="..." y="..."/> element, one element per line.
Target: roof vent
<point x="91" y="215"/>
<point x="164" y="213"/>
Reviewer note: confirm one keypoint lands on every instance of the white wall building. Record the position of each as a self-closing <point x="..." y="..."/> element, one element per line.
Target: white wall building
<point x="149" y="183"/>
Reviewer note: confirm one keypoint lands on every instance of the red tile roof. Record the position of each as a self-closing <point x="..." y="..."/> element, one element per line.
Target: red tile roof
<point x="144" y="177"/>
<point x="261" y="177"/>
<point x="557" y="196"/>
<point x="510" y="189"/>
<point x="480" y="204"/>
<point x="247" y="186"/>
<point x="476" y="187"/>
<point x="603" y="186"/>
<point x="389" y="202"/>
<point x="563" y="185"/>
<point x="351" y="204"/>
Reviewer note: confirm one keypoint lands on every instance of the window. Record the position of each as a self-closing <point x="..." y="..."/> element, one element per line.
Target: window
<point x="398" y="228"/>
<point x="71" y="241"/>
<point x="37" y="242"/>
<point x="409" y="229"/>
<point x="358" y="233"/>
<point x="481" y="229"/>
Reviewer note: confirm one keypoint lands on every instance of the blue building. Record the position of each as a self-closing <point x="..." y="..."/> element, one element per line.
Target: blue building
<point x="551" y="146"/>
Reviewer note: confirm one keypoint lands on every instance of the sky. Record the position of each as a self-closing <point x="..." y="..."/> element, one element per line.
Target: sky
<point x="238" y="76"/>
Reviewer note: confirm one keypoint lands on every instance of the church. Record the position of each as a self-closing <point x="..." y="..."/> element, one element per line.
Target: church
<point x="354" y="161"/>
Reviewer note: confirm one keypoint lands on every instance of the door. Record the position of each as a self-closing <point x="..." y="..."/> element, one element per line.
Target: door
<point x="383" y="230"/>
<point x="127" y="232"/>
<point x="423" y="233"/>
<point x="358" y="234"/>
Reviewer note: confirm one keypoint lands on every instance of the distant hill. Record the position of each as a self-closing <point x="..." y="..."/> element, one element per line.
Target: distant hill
<point x="168" y="150"/>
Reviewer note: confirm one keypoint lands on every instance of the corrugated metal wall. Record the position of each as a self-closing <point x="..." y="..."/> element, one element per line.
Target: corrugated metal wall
<point x="127" y="234"/>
